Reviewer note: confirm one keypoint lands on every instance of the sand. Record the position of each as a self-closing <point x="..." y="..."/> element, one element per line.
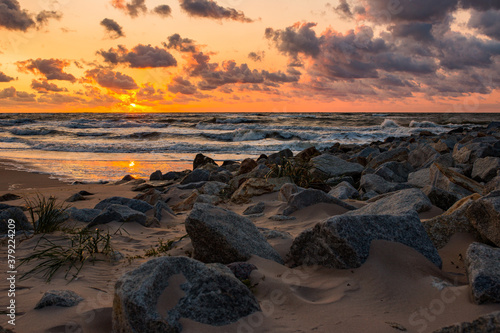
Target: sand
<point x="396" y="289"/>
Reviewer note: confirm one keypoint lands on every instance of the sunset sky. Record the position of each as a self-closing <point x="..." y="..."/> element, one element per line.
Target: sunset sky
<point x="241" y="55"/>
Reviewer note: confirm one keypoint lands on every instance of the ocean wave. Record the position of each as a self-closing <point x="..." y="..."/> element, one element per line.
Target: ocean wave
<point x="388" y="123"/>
<point x="255" y="135"/>
<point x="33" y="132"/>
<point x="423" y="124"/>
<point x="17" y="122"/>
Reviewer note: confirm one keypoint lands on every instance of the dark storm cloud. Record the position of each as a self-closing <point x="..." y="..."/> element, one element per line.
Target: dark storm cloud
<point x="12" y="17"/>
<point x="113" y="28"/>
<point x="460" y="52"/>
<point x="141" y="56"/>
<point x="180" y="85"/>
<point x="480" y="4"/>
<point x="344" y="10"/>
<point x="487" y="22"/>
<point x="52" y="69"/>
<point x="299" y="38"/>
<point x="109" y="79"/>
<point x="210" y="9"/>
<point x="5" y="78"/>
<point x="133" y="8"/>
<point x="419" y="31"/>
<point x="180" y="44"/>
<point x="387" y="11"/>
<point x="45" y="86"/>
<point x="256" y="56"/>
<point x="163" y="10"/>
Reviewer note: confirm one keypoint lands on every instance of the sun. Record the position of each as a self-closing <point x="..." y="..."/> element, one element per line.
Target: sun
<point x="133" y="105"/>
<point x="131" y="164"/>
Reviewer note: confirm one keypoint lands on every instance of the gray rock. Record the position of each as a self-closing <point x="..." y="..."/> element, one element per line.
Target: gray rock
<point x="489" y="323"/>
<point x="273" y="234"/>
<point x="191" y="186"/>
<point x="484" y="215"/>
<point x="202" y="160"/>
<point x="423" y="156"/>
<point x="373" y="182"/>
<point x="280" y="218"/>
<point x="420" y="178"/>
<point x="118" y="213"/>
<point x="396" y="172"/>
<point x="135" y="204"/>
<point x="485" y="169"/>
<point x="328" y="166"/>
<point x="255" y="209"/>
<point x="344" y="191"/>
<point x="471" y="151"/>
<point x="367" y="152"/>
<point x="483" y="268"/>
<point x="9" y="197"/>
<point x="212" y="296"/>
<point x="343" y="241"/>
<point x="492" y="185"/>
<point x="369" y="195"/>
<point x="277" y="158"/>
<point x="453" y="182"/>
<point x="64" y="298"/>
<point x="287" y="190"/>
<point x="18" y="216"/>
<point x="157" y="175"/>
<point x="334" y="181"/>
<point x="310" y="197"/>
<point x="396" y="203"/>
<point x="159" y="208"/>
<point x="198" y="175"/>
<point x="242" y="270"/>
<point x="221" y="175"/>
<point x="83" y="215"/>
<point x="76" y="197"/>
<point x="213" y="188"/>
<point x="247" y="165"/>
<point x="219" y="235"/>
<point x="397" y="155"/>
<point x="209" y="199"/>
<point x="173" y="175"/>
<point x="440" y="198"/>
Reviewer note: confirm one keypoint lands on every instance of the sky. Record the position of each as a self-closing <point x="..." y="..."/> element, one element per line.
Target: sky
<point x="249" y="56"/>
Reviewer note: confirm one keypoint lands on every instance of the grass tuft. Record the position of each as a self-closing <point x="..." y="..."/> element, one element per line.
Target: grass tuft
<point x="46" y="214"/>
<point x="162" y="247"/>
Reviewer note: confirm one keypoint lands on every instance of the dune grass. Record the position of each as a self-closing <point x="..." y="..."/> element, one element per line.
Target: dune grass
<point x="46" y="214"/>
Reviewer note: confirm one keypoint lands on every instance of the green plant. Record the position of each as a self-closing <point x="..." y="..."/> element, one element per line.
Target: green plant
<point x="162" y="247"/>
<point x="73" y="251"/>
<point x="297" y="171"/>
<point x="46" y="214"/>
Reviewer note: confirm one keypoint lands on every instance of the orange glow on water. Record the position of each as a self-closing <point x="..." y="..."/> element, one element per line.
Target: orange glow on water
<point x="131" y="164"/>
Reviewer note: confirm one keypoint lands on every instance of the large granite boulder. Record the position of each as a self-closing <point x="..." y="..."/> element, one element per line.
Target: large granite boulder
<point x="396" y="203"/>
<point x="343" y="241"/>
<point x="327" y="166"/>
<point x="397" y="155"/>
<point x="222" y="236"/>
<point x="484" y="215"/>
<point x="485" y="169"/>
<point x="279" y="157"/>
<point x="83" y="215"/>
<point x="247" y="165"/>
<point x="373" y="182"/>
<point x="198" y="175"/>
<point x="63" y="298"/>
<point x="250" y="188"/>
<point x="439" y="197"/>
<point x="473" y="150"/>
<point x="201" y="160"/>
<point x="343" y="191"/>
<point x="118" y="213"/>
<point x="212" y="295"/>
<point x="489" y="323"/>
<point x="135" y="204"/>
<point x="453" y="181"/>
<point x="213" y="188"/>
<point x="483" y="267"/>
<point x="420" y="178"/>
<point x="423" y="156"/>
<point x="309" y="197"/>
<point x="396" y="172"/>
<point x="18" y="216"/>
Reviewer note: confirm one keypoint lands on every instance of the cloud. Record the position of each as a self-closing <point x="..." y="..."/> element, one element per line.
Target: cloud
<point x="7" y="92"/>
<point x="163" y="10"/>
<point x="480" y="4"/>
<point x="109" y="79"/>
<point x="149" y="93"/>
<point x="299" y="38"/>
<point x="487" y="22"/>
<point x="113" y="28"/>
<point x="256" y="56"/>
<point x="180" y="44"/>
<point x="419" y="31"/>
<point x="133" y="8"/>
<point x="140" y="56"/>
<point x="460" y="52"/>
<point x="52" y="69"/>
<point x="12" y="17"/>
<point x="210" y="9"/>
<point x="180" y="85"/>
<point x="18" y="96"/>
<point x="385" y="11"/>
<point x="5" y="78"/>
<point x="344" y="9"/>
<point x="44" y="16"/>
<point x="44" y="86"/>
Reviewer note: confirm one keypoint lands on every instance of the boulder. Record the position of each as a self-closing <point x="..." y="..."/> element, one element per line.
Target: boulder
<point x="201" y="160"/>
<point x="220" y="175"/>
<point x="83" y="215"/>
<point x="368" y="152"/>
<point x="420" y="178"/>
<point x="219" y="235"/>
<point x="279" y="157"/>
<point x="9" y="197"/>
<point x="423" y="156"/>
<point x="287" y="190"/>
<point x="174" y="175"/>
<point x="242" y="270"/>
<point x="485" y="169"/>
<point x="247" y="165"/>
<point x="396" y="203"/>
<point x="64" y="298"/>
<point x="255" y="209"/>
<point x="396" y="172"/>
<point x="135" y="204"/>
<point x="250" y="188"/>
<point x="273" y="234"/>
<point x="151" y="196"/>
<point x="118" y="213"/>
<point x="489" y="323"/>
<point x="187" y="203"/>
<point x="492" y="185"/>
<point x="279" y="218"/>
<point x="143" y="186"/>
<point x="472" y="150"/>
<point x="327" y="166"/>
<point x="76" y="197"/>
<point x="159" y="208"/>
<point x="344" y="191"/>
<point x="309" y="197"/>
<point x="334" y="181"/>
<point x="483" y="268"/>
<point x="198" y="175"/>
<point x="18" y="216"/>
<point x="484" y="215"/>
<point x="157" y="175"/>
<point x="192" y="186"/>
<point x="440" y="198"/>
<point x="373" y="182"/>
<point x="343" y="241"/>
<point x="212" y="295"/>
<point x="454" y="182"/>
<point x="213" y="188"/>
<point x="397" y="155"/>
<point x="307" y="154"/>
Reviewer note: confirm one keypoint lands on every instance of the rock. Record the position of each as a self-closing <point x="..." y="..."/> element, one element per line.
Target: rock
<point x="219" y="235"/>
<point x="279" y="157"/>
<point x="279" y="218"/>
<point x="485" y="169"/>
<point x="118" y="213"/>
<point x="420" y="178"/>
<point x="287" y="190"/>
<point x="489" y="323"/>
<point x="440" y="198"/>
<point x="192" y="186"/>
<point x="76" y="197"/>
<point x="5" y="330"/>
<point x="201" y="160"/>
<point x="482" y="263"/>
<point x="344" y="191"/>
<point x="250" y="188"/>
<point x="279" y="182"/>
<point x="493" y="185"/>
<point x="214" y="188"/>
<point x="343" y="241"/>
<point x="396" y="172"/>
<point x="440" y="146"/>
<point x="242" y="270"/>
<point x="484" y="215"/>
<point x="255" y="209"/>
<point x="209" y="199"/>
<point x="334" y="181"/>
<point x="423" y="156"/>
<point x="211" y="295"/>
<point x="369" y="195"/>
<point x="396" y="203"/>
<point x="159" y="208"/>
<point x="309" y="197"/>
<point x="442" y="227"/>
<point x="471" y="151"/>
<point x="198" y="175"/>
<point x="137" y="205"/>
<point x="328" y="166"/>
<point x="85" y="193"/>
<point x="64" y="298"/>
<point x="368" y="152"/>
<point x="454" y="182"/>
<point x="152" y="196"/>
<point x="157" y="175"/>
<point x="373" y="182"/>
<point x="220" y="175"/>
<point x="174" y="175"/>
<point x="128" y="178"/>
<point x="307" y="154"/>
<point x="83" y="215"/>
<point x="187" y="203"/>
<point x="9" y="197"/>
<point x="143" y="186"/>
<point x="246" y="166"/>
<point x="18" y="216"/>
<point x="273" y="234"/>
<point x="397" y="155"/>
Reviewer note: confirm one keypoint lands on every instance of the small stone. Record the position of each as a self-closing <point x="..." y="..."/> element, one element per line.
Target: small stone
<point x="157" y="175"/>
<point x="489" y="323"/>
<point x="255" y="209"/>
<point x="9" y="197"/>
<point x="241" y="270"/>
<point x="76" y="197"/>
<point x="64" y="298"/>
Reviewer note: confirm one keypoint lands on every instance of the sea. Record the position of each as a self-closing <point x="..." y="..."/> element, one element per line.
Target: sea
<point x="97" y="147"/>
